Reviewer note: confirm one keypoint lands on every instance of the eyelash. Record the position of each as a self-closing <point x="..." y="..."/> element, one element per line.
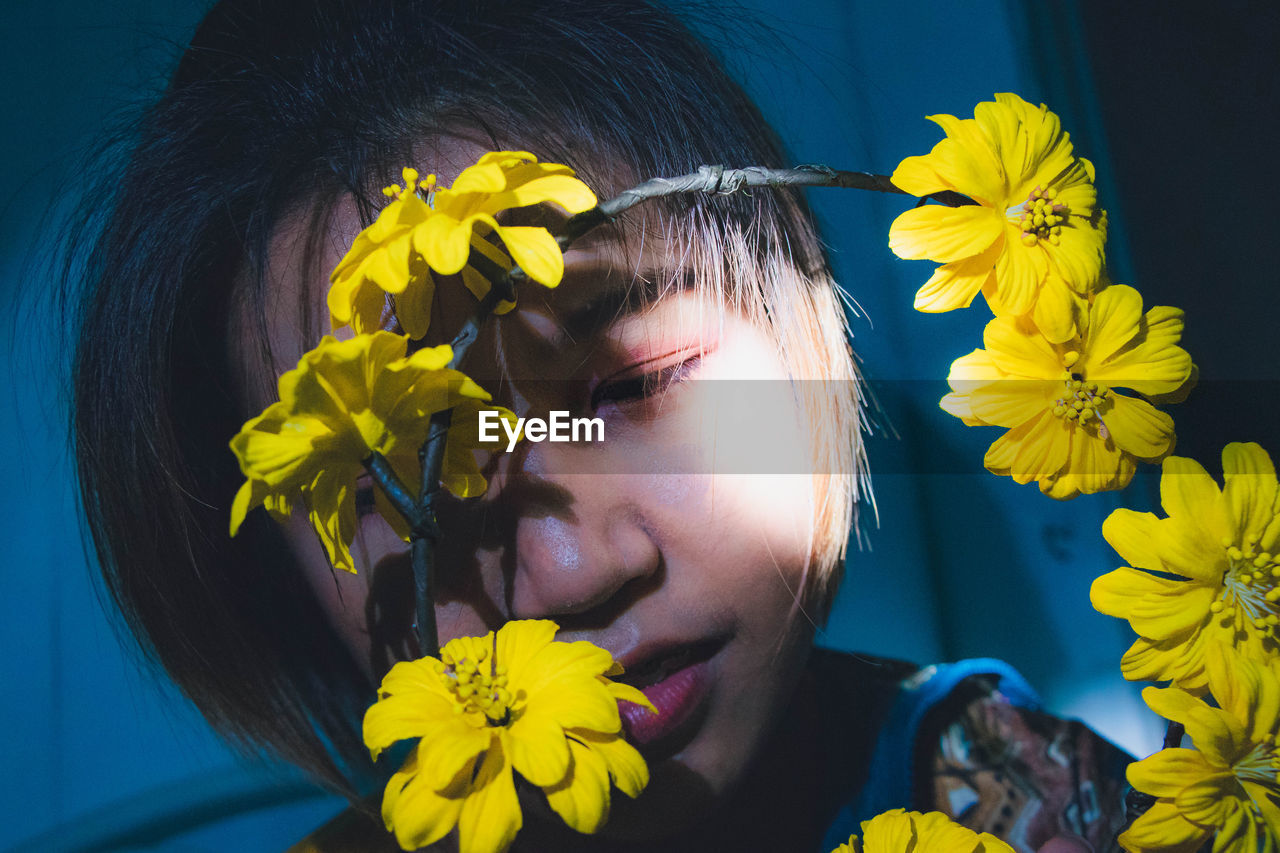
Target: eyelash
<point x="643" y="385"/>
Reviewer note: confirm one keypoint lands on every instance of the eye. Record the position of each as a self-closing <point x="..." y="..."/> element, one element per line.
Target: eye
<point x="646" y="380"/>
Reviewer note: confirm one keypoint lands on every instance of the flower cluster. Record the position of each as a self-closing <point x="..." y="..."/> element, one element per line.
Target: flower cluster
<point x="344" y="401"/>
<point x="1071" y="367"/>
<point x="512" y="702"/>
<point x="427" y="229"/>
<point x="348" y="400"/>
<point x="1062" y="340"/>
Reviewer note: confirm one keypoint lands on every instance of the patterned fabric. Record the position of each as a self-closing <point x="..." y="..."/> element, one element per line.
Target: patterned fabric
<point x="1020" y="774"/>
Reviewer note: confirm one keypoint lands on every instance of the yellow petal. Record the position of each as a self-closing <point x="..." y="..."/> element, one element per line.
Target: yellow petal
<point x="490" y="816"/>
<point x="1147" y="660"/>
<point x="1162" y="828"/>
<point x="332" y="512"/>
<point x="1043" y="452"/>
<point x="1113" y="322"/>
<point x="945" y="234"/>
<point x="520" y="639"/>
<point x="1117" y="592"/>
<point x="627" y="693"/>
<point x="536" y="744"/>
<point x="954" y="285"/>
<point x="445" y="242"/>
<point x="1161" y="617"/>
<point x="486" y="176"/>
<point x="1138" y="427"/>
<point x="1078" y="256"/>
<point x="388" y="266"/>
<point x="1019" y="272"/>
<point x="589" y="707"/>
<point x="244" y="501"/>
<point x="1208" y="800"/>
<point x="536" y="251"/>
<point x="936" y="831"/>
<point x="401" y="717"/>
<point x="1096" y="464"/>
<point x="582" y="799"/>
<point x="556" y="662"/>
<point x="564" y="190"/>
<point x="627" y="768"/>
<point x="1250" y="489"/>
<point x="1057" y="309"/>
<point x="1133" y="535"/>
<point x="1214" y="732"/>
<point x="967" y="163"/>
<point x="418" y="815"/>
<point x="413" y="306"/>
<point x="449" y="746"/>
<point x="916" y="176"/>
<point x="1188" y="548"/>
<point x="1001" y="456"/>
<point x="1012" y="402"/>
<point x="1188" y="493"/>
<point x="889" y="832"/>
<point x="1019" y="353"/>
<point x="1152" y="365"/>
<point x="1247" y="689"/>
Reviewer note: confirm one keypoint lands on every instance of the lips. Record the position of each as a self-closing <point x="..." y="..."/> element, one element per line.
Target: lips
<point x="676" y="681"/>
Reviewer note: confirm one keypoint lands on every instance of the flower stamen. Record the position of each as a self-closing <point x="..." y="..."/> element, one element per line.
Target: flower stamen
<point x="1082" y="401"/>
<point x="1041" y="217"/>
<point x="1250" y="592"/>
<point x="478" y="691"/>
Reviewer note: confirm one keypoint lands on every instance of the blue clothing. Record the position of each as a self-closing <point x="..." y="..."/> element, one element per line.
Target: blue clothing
<point x="889" y="783"/>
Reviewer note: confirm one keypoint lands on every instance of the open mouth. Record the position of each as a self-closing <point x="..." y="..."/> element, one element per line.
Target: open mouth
<point x="677" y="681"/>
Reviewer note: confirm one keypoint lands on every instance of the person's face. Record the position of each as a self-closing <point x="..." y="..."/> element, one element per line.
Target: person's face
<point x="657" y="543"/>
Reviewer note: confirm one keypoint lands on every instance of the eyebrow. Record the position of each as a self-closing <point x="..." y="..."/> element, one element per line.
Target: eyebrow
<point x="620" y="298"/>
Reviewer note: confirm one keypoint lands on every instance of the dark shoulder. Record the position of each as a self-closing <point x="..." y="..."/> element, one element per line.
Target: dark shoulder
<point x="1019" y="773"/>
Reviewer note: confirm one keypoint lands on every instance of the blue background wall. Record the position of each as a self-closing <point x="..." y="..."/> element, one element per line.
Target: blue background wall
<point x="961" y="564"/>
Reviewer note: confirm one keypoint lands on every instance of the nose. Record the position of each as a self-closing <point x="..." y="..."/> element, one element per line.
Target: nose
<point x="596" y="550"/>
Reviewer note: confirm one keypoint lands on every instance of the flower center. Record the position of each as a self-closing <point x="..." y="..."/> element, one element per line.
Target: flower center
<point x="1081" y="400"/>
<point x="1250" y="588"/>
<point x="1041" y="217"/>
<point x="478" y="688"/>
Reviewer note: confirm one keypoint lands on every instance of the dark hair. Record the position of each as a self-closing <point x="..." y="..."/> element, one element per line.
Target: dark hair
<point x="278" y="107"/>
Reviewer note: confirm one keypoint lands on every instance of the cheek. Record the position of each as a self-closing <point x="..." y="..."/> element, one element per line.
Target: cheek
<point x="373" y="610"/>
<point x="342" y="595"/>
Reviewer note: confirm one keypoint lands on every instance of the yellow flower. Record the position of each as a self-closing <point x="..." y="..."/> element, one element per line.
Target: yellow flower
<point x="1230" y="784"/>
<point x="899" y="831"/>
<point x="415" y="236"/>
<point x="1068" y="428"/>
<point x="1222" y="546"/>
<point x="493" y="704"/>
<point x="1032" y="243"/>
<point x="343" y="401"/>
